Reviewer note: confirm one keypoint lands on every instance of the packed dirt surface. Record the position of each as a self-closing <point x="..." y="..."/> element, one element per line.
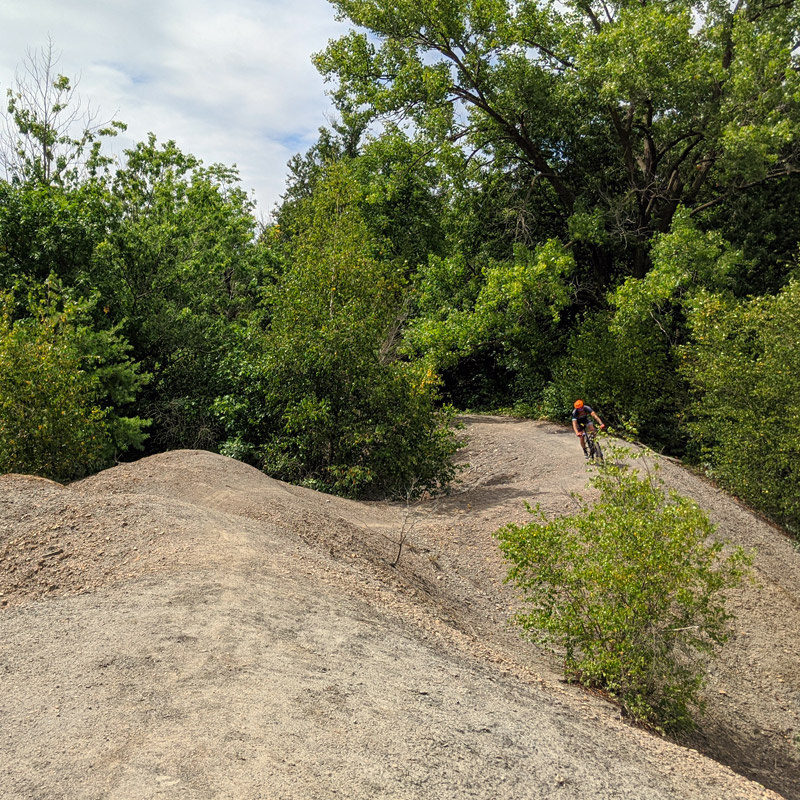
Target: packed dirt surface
<point x="186" y="627"/>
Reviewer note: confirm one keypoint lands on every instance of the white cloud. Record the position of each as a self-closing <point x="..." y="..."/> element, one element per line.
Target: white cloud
<point x="230" y="82"/>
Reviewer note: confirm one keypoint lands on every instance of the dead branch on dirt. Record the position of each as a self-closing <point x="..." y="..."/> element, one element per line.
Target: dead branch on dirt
<point x="409" y="521"/>
<point x="411" y="515"/>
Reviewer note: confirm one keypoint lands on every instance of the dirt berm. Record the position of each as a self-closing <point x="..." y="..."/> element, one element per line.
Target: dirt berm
<point x="186" y="627"/>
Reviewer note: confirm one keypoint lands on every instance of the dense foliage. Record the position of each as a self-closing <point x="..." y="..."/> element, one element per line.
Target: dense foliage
<point x="172" y="319"/>
<point x="318" y="396"/>
<point x="620" y="179"/>
<point x="518" y="204"/>
<point x="62" y="383"/>
<point x="630" y="590"/>
<point x="608" y="116"/>
<point x="743" y="365"/>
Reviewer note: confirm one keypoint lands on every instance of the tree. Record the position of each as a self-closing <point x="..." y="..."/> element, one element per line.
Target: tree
<point x="318" y="395"/>
<point x="764" y="224"/>
<point x="509" y="318"/>
<point x="47" y="138"/>
<point x="743" y="367"/>
<point x="402" y="203"/>
<point x="617" y="113"/>
<point x="342" y="141"/>
<point x="178" y="265"/>
<point x="631" y="590"/>
<point x="63" y="385"/>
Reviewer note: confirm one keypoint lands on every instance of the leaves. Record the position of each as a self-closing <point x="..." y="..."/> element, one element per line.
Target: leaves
<point x="46" y="139"/>
<point x="626" y="112"/>
<point x="630" y="590"/>
<point x="319" y="396"/>
<point x="61" y="383"/>
<point x="743" y="366"/>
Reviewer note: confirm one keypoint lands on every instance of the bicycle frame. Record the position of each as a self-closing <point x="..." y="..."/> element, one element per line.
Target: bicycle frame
<point x="593" y="448"/>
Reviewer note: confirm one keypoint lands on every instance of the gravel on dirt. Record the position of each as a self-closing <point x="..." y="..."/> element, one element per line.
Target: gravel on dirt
<point x="185" y="626"/>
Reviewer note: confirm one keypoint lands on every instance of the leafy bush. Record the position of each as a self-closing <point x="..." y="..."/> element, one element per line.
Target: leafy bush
<point x="60" y="381"/>
<point x="48" y="230"/>
<point x="631" y="590"/>
<point x="322" y="410"/>
<point x="317" y="394"/>
<point x="744" y="367"/>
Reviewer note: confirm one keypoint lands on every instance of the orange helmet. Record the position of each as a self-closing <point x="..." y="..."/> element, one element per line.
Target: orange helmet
<point x="578" y="404"/>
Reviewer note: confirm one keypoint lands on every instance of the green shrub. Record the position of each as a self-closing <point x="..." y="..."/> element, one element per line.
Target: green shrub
<point x="59" y="383"/>
<point x="744" y="367"/>
<point x="321" y="408"/>
<point x="630" y="590"/>
<point x="318" y="396"/>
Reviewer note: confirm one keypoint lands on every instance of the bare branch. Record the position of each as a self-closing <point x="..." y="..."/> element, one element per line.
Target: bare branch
<point x="47" y="135"/>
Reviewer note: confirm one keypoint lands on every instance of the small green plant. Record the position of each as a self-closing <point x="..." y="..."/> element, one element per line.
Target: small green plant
<point x="630" y="590"/>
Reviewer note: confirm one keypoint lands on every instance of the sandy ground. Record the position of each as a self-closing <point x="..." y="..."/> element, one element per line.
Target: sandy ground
<point x="185" y="626"/>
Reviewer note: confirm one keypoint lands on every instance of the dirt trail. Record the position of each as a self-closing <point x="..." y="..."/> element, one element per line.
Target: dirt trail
<point x="184" y="626"/>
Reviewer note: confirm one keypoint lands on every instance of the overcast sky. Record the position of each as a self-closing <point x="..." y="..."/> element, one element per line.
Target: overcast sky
<point x="230" y="81"/>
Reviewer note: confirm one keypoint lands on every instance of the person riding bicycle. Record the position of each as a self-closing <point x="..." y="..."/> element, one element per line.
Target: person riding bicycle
<point x="582" y="421"/>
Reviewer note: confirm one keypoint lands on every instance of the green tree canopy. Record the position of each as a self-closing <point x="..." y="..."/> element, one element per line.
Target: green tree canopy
<point x="178" y="265"/>
<point x="619" y="112"/>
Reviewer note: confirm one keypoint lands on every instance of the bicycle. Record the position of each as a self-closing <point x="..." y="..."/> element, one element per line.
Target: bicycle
<point x="593" y="449"/>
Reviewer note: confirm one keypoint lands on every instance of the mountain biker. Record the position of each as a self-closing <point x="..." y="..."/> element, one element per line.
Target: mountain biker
<point x="582" y="421"/>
